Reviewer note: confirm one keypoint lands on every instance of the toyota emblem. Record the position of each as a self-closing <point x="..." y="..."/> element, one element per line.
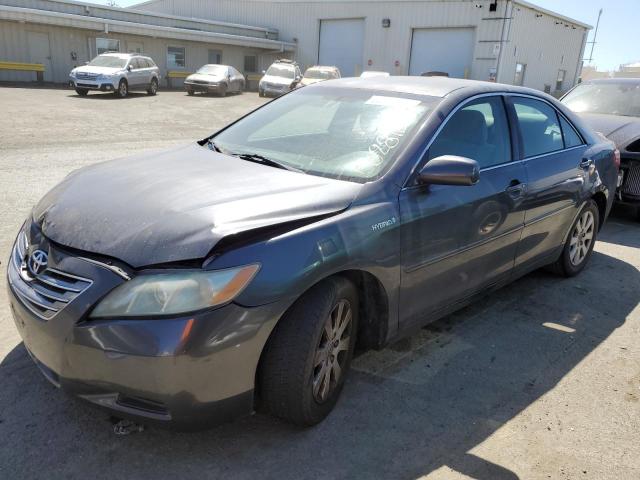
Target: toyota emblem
<point x="37" y="262"/>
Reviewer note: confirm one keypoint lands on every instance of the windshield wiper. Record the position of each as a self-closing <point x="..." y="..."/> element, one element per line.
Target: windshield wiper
<point x="257" y="158"/>
<point x="212" y="146"/>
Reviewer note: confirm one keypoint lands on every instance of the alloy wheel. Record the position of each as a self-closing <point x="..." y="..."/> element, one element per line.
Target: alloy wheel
<point x="581" y="238"/>
<point x="331" y="353"/>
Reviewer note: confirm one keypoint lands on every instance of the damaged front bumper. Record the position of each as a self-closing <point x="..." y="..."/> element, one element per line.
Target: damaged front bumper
<point x="186" y="372"/>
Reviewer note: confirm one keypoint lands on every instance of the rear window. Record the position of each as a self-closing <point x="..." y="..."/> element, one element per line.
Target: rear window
<point x="571" y="137"/>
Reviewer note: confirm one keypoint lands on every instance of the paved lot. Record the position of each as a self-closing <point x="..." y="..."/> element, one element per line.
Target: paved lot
<point x="541" y="380"/>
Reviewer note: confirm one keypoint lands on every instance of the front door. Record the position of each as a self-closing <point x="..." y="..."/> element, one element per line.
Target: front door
<point x="556" y="178"/>
<point x="457" y="240"/>
<point x="40" y="52"/>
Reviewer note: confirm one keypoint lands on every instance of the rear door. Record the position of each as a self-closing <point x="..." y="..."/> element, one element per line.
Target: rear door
<point x="557" y="173"/>
<point x="458" y="240"/>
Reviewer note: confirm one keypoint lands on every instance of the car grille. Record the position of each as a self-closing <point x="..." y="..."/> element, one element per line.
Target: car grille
<point x="631" y="185"/>
<point x="86" y="76"/>
<point x="274" y="86"/>
<point x="201" y="82"/>
<point x="47" y="293"/>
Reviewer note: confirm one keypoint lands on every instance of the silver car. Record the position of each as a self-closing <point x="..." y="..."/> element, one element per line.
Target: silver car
<point x="281" y="77"/>
<point x="118" y="73"/>
<point x="220" y="79"/>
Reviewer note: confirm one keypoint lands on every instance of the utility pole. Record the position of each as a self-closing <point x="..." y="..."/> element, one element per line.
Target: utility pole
<point x="595" y="36"/>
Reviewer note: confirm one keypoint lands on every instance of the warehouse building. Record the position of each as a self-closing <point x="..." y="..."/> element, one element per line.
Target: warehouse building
<point x="509" y="41"/>
<point x="61" y="35"/>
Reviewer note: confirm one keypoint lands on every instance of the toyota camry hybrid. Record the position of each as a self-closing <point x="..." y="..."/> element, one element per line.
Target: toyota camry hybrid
<point x="240" y="273"/>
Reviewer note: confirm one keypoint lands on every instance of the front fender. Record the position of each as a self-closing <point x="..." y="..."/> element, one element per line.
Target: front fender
<point x="365" y="238"/>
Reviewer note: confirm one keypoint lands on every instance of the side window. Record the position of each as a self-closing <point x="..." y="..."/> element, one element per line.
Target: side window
<point x="539" y="126"/>
<point x="479" y="131"/>
<point x="135" y="63"/>
<point x="571" y="137"/>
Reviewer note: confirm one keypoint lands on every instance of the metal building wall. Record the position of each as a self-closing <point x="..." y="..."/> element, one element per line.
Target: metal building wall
<point x="539" y="43"/>
<point x="546" y="45"/>
<point x="64" y="40"/>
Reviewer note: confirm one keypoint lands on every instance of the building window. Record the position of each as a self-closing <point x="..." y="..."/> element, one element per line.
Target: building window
<point x="250" y="63"/>
<point x="135" y="47"/>
<point x="175" y="58"/>
<point x="562" y="74"/>
<point x="104" y="45"/>
<point x="521" y="69"/>
<point x="215" y="57"/>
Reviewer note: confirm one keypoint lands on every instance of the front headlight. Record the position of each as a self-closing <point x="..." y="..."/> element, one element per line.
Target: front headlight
<point x="174" y="293"/>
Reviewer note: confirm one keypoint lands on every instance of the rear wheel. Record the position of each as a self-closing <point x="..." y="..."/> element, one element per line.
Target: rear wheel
<point x="308" y="356"/>
<point x="580" y="242"/>
<point x="260" y="93"/>
<point x="123" y="89"/>
<point x="83" y="92"/>
<point x="153" y="87"/>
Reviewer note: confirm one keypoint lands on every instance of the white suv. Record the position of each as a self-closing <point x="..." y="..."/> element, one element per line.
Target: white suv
<point x="118" y="73"/>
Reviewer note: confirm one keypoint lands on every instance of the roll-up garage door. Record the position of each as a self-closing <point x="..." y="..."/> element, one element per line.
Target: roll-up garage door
<point x="342" y="45"/>
<point x="448" y="50"/>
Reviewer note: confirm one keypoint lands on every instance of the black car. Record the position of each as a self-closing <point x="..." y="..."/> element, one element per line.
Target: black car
<point x="240" y="272"/>
<point x="612" y="107"/>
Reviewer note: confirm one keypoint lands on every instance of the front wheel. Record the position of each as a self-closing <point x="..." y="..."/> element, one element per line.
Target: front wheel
<point x="308" y="355"/>
<point x="223" y="90"/>
<point x="191" y="93"/>
<point x="580" y="242"/>
<point x="153" y="87"/>
<point x="123" y="89"/>
<point x="83" y="92"/>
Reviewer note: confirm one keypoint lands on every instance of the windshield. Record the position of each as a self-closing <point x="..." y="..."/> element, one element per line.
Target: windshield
<point x="108" y="61"/>
<point x="213" y="70"/>
<point x="615" y="98"/>
<point x="320" y="74"/>
<point x="348" y="134"/>
<point x="281" y="71"/>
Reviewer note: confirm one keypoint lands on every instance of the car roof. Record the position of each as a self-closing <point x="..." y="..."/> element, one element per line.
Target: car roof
<point x="427" y="86"/>
<point x="632" y="81"/>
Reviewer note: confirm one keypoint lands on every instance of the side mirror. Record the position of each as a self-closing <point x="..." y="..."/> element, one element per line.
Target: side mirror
<point x="450" y="170"/>
<point x="264" y="71"/>
<point x="129" y="68"/>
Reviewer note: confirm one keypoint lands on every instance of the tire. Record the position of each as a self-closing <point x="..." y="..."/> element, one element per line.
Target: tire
<point x="260" y="93"/>
<point x="153" y="87"/>
<point x="191" y="93"/>
<point x="292" y="375"/>
<point x="83" y="92"/>
<point x="580" y="242"/>
<point x="223" y="90"/>
<point x="123" y="89"/>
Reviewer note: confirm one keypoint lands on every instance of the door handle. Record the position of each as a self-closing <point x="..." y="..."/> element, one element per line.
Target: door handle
<point x="516" y="189"/>
<point x="586" y="163"/>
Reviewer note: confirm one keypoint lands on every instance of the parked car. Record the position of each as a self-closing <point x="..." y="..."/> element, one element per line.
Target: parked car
<point x="220" y="79"/>
<point x="373" y="73"/>
<point x="239" y="272"/>
<point x="612" y="106"/>
<point x="319" y="74"/>
<point x="280" y="78"/>
<point x="119" y="73"/>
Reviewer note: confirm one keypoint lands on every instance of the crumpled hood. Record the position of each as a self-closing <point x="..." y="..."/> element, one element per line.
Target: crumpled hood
<point x="204" y="77"/>
<point x="97" y="70"/>
<point x="617" y="128"/>
<point x="176" y="205"/>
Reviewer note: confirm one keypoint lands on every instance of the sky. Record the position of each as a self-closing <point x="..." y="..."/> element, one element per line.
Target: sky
<point x="618" y="38"/>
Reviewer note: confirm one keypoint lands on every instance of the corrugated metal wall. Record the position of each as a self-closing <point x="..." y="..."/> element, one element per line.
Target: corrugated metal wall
<point x="126" y="15"/>
<point x="544" y="46"/>
<point x="64" y="41"/>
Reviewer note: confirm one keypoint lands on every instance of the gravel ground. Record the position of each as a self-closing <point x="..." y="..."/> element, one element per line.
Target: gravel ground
<point x="540" y="380"/>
